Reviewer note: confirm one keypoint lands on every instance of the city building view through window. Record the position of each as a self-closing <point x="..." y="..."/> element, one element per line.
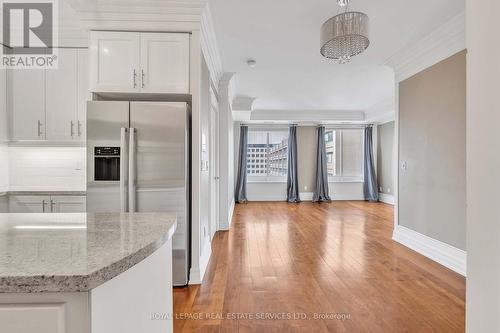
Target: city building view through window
<point x="267" y="153"/>
<point x="331" y="159"/>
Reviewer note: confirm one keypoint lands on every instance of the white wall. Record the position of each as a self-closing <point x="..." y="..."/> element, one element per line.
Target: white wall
<point x="4" y="176"/>
<point x="205" y="157"/>
<point x="483" y="165"/>
<point x="47" y="168"/>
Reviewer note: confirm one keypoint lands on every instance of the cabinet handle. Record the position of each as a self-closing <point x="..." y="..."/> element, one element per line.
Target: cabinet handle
<point x="71" y="128"/>
<point x="135" y="79"/>
<point x="39" y="128"/>
<point x="43" y="206"/>
<point x="142" y="78"/>
<point x="52" y="203"/>
<point x="79" y="128"/>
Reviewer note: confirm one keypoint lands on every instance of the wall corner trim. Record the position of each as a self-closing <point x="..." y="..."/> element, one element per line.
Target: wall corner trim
<point x="225" y="225"/>
<point x="196" y="274"/>
<point x="445" y="41"/>
<point x="442" y="253"/>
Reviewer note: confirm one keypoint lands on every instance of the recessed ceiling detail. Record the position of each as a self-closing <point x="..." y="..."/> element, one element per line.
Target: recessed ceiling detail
<point x="291" y="74"/>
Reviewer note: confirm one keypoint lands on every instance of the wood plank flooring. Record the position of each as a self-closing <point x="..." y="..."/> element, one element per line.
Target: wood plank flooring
<point x="335" y="261"/>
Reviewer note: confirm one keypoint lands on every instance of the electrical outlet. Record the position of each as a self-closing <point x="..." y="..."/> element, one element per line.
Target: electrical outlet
<point x="403" y="165"/>
<point x="388" y="190"/>
<point x="305" y="188"/>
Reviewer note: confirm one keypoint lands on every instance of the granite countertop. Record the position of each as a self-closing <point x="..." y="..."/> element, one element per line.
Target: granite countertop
<point x="77" y="251"/>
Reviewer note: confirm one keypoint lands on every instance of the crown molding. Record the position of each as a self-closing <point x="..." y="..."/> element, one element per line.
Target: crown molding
<point x="381" y="112"/>
<point x="210" y="47"/>
<point x="307" y="115"/>
<point x="440" y="44"/>
<point x="172" y="16"/>
<point x="243" y="103"/>
<point x="226" y="84"/>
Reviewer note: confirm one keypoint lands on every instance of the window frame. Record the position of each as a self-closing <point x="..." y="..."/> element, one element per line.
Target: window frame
<point x="339" y="177"/>
<point x="267" y="178"/>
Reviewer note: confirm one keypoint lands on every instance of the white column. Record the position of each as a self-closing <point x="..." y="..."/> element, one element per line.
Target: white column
<point x="483" y="166"/>
<point x="226" y="152"/>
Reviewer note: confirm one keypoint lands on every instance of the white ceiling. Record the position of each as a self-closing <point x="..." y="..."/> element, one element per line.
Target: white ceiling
<point x="283" y="37"/>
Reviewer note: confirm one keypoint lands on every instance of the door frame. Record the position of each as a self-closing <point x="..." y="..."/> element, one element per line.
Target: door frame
<point x="214" y="141"/>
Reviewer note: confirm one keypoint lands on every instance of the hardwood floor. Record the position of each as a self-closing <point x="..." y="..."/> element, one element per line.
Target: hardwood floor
<point x="335" y="259"/>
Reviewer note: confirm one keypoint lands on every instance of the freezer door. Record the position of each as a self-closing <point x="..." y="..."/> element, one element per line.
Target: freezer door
<point x="107" y="129"/>
<point x="161" y="171"/>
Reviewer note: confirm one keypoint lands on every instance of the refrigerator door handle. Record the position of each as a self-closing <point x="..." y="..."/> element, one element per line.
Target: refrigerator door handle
<point x="123" y="169"/>
<point x="131" y="171"/>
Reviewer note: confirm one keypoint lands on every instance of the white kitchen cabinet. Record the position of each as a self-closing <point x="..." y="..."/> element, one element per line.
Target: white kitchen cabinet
<point x="68" y="204"/>
<point x="84" y="95"/>
<point x="61" y="97"/>
<point x="115" y="61"/>
<point x="26" y="103"/>
<point x="29" y="204"/>
<point x="164" y="63"/>
<point x="47" y="204"/>
<point x="139" y="62"/>
<point x="50" y="104"/>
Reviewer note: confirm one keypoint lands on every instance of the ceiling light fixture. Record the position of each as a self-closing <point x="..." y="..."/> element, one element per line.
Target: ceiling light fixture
<point x="344" y="35"/>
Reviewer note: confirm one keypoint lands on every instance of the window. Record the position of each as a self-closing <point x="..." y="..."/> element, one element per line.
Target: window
<point x="271" y="147"/>
<point x="344" y="154"/>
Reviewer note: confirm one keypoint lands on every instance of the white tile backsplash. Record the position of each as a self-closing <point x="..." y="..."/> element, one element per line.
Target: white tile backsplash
<point x="47" y="168"/>
<point x="4" y="168"/>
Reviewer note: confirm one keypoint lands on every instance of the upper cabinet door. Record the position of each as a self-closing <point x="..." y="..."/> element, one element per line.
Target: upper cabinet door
<point x="83" y="93"/>
<point x="115" y="61"/>
<point x="164" y="63"/>
<point x="61" y="97"/>
<point x="26" y="103"/>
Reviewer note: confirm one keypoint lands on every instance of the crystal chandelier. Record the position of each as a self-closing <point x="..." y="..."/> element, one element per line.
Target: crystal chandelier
<point x="344" y="35"/>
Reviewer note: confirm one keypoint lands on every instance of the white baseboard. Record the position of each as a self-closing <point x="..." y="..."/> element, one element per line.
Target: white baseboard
<point x="343" y="197"/>
<point x="196" y="273"/>
<point x="230" y="215"/>
<point x="224" y="225"/>
<point x="264" y="197"/>
<point x="306" y="196"/>
<point x="386" y="198"/>
<point x="445" y="254"/>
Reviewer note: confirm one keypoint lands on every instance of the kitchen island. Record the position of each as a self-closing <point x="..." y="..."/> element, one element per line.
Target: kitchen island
<point x="86" y="273"/>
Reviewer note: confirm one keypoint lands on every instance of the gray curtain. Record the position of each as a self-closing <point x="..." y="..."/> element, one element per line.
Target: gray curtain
<point x="292" y="184"/>
<point x="321" y="189"/>
<point x="240" y="195"/>
<point x="370" y="183"/>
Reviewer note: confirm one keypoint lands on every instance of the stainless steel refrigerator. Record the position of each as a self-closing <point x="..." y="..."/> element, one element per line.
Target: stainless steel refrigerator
<point x="138" y="161"/>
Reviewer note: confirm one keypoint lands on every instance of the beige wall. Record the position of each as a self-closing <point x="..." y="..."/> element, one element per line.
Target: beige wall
<point x="306" y="163"/>
<point x="432" y="144"/>
<point x="385" y="158"/>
